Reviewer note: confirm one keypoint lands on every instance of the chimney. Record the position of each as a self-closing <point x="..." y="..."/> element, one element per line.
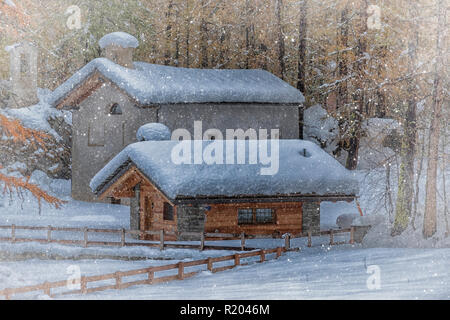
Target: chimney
<point x="23" y="75"/>
<point x="119" y="47"/>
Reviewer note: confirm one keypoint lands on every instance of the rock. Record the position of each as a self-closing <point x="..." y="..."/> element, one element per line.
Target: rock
<point x="345" y="221"/>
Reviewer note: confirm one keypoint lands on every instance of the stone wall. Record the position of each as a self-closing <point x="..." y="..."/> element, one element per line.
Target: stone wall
<point x="190" y="219"/>
<point x="311" y="216"/>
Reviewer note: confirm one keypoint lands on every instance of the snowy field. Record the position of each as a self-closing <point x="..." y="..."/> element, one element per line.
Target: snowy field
<point x="316" y="273"/>
<point x="313" y="273"/>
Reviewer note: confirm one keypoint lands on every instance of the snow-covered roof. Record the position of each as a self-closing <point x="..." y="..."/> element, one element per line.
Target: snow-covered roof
<point x="158" y="84"/>
<point x="316" y="174"/>
<point x="122" y="39"/>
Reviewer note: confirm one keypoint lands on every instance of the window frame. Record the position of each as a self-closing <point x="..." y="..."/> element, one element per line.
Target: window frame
<point x="117" y="109"/>
<point x="168" y="215"/>
<point x="254" y="216"/>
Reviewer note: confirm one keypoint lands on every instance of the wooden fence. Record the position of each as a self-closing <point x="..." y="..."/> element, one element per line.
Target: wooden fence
<point x="118" y="277"/>
<point x="202" y="237"/>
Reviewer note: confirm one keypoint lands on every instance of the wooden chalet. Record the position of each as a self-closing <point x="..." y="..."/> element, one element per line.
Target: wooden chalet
<point x="224" y="198"/>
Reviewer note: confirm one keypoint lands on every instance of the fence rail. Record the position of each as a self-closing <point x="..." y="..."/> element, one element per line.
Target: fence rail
<point x="118" y="277"/>
<point x="162" y="244"/>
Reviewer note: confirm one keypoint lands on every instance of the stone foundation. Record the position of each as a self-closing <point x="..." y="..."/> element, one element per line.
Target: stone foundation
<point x="190" y="219"/>
<point x="311" y="216"/>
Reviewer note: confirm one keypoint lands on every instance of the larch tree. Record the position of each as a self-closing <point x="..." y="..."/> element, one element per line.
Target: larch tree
<point x="15" y="23"/>
<point x="403" y="208"/>
<point x="430" y="221"/>
<point x="13" y="131"/>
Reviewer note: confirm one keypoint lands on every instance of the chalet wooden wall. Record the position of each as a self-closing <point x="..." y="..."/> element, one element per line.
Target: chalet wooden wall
<point x="224" y="218"/>
<point x="152" y="218"/>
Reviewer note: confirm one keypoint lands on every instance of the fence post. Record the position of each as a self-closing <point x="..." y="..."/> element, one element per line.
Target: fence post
<point x="83" y="285"/>
<point x="309" y="239"/>
<point x="278" y="252"/>
<point x="352" y="235"/>
<point x="6" y="293"/>
<point x="13" y="233"/>
<point x="85" y="237"/>
<point x="46" y="288"/>
<point x="118" y="279"/>
<point x="151" y="275"/>
<point x="180" y="270"/>
<point x="263" y="255"/>
<point x="122" y="239"/>
<point x="161" y="240"/>
<point x="210" y="264"/>
<point x="242" y="241"/>
<point x="331" y="237"/>
<point x="237" y="259"/>
<point x="202" y="242"/>
<point x="49" y="234"/>
<point x="287" y="241"/>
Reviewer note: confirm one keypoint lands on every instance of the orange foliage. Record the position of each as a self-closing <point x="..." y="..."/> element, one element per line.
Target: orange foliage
<point x="20" y="134"/>
<point x="12" y="183"/>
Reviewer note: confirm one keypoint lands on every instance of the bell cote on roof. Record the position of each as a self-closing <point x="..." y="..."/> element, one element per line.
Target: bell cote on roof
<point x="23" y="75"/>
<point x="119" y="48"/>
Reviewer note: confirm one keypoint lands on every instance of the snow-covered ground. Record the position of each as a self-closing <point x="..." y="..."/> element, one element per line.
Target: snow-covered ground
<point x="343" y="272"/>
<point x="316" y="273"/>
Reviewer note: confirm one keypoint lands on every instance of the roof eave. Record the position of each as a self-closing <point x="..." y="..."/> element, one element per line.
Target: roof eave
<point x="264" y="198"/>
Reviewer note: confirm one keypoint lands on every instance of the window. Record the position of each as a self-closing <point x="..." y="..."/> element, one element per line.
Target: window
<point x="256" y="216"/>
<point x="115" y="201"/>
<point x="264" y="215"/>
<point x="24" y="67"/>
<point x="168" y="212"/>
<point x="245" y="216"/>
<point x="115" y="109"/>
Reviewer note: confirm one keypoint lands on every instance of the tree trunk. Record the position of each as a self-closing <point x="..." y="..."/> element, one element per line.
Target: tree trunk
<point x="359" y="97"/>
<point x="177" y="36"/>
<point x="249" y="34"/>
<point x="301" y="77"/>
<point x="280" y="41"/>
<point x="429" y="223"/>
<point x="403" y="208"/>
<point x="168" y="34"/>
<point x="188" y="33"/>
<point x="342" y="65"/>
<point x="203" y="37"/>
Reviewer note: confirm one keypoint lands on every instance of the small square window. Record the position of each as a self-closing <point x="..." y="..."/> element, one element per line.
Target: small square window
<point x="168" y="212"/>
<point x="264" y="216"/>
<point x="245" y="216"/>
